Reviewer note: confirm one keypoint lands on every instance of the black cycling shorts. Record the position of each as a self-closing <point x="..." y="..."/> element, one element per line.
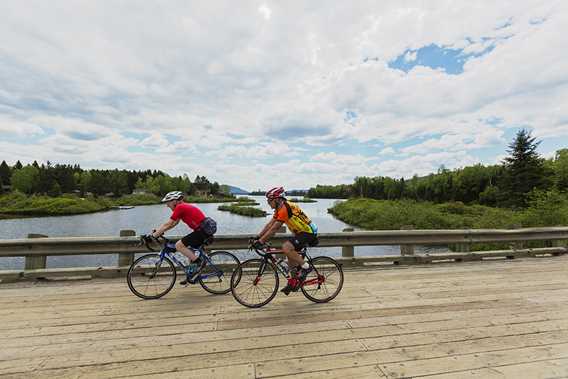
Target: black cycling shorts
<point x="194" y="239"/>
<point x="302" y="240"/>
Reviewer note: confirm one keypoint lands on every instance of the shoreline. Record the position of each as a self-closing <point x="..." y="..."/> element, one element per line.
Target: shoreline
<point x="70" y="205"/>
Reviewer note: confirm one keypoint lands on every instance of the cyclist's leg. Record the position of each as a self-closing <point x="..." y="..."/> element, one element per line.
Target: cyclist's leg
<point x="191" y="241"/>
<point x="290" y="248"/>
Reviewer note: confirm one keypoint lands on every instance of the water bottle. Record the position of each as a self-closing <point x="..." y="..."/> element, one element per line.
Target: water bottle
<point x="283" y="264"/>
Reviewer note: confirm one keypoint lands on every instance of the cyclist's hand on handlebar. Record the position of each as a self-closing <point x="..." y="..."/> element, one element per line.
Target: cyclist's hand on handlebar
<point x="258" y="245"/>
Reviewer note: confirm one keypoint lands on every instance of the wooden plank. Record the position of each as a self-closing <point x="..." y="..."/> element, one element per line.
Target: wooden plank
<point x="233" y="372"/>
<point x="474" y="361"/>
<point x="399" y="355"/>
<point x="365" y="372"/>
<point x="483" y="308"/>
<point x="372" y="338"/>
<point x="555" y="368"/>
<point x="114" y="335"/>
<point x="164" y="337"/>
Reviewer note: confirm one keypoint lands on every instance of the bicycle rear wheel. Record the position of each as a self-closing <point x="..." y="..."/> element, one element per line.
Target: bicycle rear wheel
<point x="254" y="283"/>
<point x="215" y="277"/>
<point x="325" y="281"/>
<point x="151" y="277"/>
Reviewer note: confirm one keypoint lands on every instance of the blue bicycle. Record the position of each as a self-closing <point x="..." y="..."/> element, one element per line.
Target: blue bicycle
<point x="153" y="275"/>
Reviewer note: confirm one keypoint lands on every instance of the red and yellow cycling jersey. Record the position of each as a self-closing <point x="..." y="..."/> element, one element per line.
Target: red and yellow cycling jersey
<point x="294" y="218"/>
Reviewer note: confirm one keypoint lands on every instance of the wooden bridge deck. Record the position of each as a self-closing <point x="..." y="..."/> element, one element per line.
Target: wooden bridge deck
<point x="486" y="320"/>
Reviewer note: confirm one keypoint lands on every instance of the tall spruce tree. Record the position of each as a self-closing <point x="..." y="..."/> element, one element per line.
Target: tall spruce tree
<point x="524" y="170"/>
<point x="5" y="173"/>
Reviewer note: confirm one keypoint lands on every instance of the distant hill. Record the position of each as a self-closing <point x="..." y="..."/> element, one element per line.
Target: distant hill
<point x="234" y="190"/>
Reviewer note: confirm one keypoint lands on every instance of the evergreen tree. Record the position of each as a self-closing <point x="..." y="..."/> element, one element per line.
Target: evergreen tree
<point x="5" y="173"/>
<point x="18" y="165"/>
<point x="524" y="170"/>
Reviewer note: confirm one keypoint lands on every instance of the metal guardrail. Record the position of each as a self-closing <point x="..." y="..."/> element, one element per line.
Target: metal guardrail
<point x="36" y="249"/>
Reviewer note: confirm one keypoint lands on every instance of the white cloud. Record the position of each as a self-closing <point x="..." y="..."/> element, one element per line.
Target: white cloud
<point x="268" y="86"/>
<point x="265" y="11"/>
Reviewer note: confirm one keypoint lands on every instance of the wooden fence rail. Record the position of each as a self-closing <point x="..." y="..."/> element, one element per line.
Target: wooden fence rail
<point x="35" y="250"/>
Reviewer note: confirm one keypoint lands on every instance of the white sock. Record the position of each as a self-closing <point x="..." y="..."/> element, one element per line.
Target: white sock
<point x="305" y="266"/>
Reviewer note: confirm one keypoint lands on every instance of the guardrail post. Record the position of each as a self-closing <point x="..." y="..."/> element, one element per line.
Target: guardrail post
<point x="347" y="251"/>
<point x="126" y="259"/>
<point x="407" y="249"/>
<point x="558" y="243"/>
<point x="35" y="262"/>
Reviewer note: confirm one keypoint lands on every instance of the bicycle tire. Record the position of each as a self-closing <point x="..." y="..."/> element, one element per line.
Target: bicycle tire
<point x="245" y="281"/>
<point x="327" y="271"/>
<point x="168" y="270"/>
<point x="223" y="281"/>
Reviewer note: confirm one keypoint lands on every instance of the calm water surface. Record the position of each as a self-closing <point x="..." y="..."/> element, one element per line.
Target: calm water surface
<point x="143" y="219"/>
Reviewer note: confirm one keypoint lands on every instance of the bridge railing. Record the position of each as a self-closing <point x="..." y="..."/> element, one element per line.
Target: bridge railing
<point x="36" y="248"/>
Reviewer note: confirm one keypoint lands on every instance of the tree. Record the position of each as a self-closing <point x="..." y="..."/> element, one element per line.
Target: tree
<point x="524" y="170"/>
<point x="55" y="189"/>
<point x="18" y="165"/>
<point x="561" y="170"/>
<point x="26" y="179"/>
<point x="5" y="173"/>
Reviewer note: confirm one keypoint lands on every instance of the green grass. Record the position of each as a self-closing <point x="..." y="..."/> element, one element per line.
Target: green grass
<point x="243" y="210"/>
<point x="18" y="204"/>
<point x="546" y="209"/>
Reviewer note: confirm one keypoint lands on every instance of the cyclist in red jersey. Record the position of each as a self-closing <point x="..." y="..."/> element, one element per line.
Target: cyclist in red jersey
<point x="203" y="228"/>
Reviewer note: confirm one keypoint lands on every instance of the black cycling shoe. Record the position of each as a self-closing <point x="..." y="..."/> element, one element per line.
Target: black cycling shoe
<point x="287" y="289"/>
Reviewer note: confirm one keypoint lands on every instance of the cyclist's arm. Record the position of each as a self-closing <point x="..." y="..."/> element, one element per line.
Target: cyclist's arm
<point x="164" y="227"/>
<point x="272" y="227"/>
<point x="266" y="227"/>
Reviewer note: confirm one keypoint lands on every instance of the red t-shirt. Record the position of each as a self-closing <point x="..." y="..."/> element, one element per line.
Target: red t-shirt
<point x="189" y="214"/>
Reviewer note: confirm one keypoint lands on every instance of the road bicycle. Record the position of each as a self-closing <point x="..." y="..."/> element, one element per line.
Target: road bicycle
<point x="153" y="275"/>
<point x="255" y="282"/>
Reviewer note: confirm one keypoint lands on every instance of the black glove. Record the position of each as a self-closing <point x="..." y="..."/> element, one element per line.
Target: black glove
<point x="258" y="245"/>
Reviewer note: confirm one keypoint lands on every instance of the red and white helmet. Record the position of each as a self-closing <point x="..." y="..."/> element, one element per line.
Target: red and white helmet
<point x="275" y="193"/>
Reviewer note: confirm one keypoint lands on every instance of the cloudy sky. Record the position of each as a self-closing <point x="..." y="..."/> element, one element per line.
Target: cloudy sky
<point x="291" y="93"/>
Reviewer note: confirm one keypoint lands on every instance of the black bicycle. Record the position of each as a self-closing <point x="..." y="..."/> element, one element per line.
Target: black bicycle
<point x="255" y="282"/>
<point x="153" y="275"/>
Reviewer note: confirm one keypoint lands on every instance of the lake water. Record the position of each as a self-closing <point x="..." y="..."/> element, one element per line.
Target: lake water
<point x="143" y="219"/>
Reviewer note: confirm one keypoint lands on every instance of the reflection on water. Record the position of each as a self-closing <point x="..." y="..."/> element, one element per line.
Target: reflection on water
<point x="143" y="219"/>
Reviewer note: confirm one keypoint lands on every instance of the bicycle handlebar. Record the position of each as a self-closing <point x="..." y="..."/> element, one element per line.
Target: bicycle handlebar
<point x="146" y="239"/>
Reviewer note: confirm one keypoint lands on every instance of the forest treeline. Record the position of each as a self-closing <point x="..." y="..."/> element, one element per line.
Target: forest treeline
<point x="54" y="180"/>
<point x="510" y="184"/>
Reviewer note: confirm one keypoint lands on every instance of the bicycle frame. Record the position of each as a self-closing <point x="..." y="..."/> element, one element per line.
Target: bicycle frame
<point x="169" y="251"/>
<point x="268" y="256"/>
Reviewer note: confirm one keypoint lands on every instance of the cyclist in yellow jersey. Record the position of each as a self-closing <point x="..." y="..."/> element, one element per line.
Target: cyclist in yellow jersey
<point x="304" y="230"/>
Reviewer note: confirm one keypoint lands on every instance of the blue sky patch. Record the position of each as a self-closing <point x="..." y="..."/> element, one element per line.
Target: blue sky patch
<point x="83" y="136"/>
<point x="436" y="57"/>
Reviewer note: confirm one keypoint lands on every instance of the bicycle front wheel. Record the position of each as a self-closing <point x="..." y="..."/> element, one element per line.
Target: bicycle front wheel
<point x="151" y="277"/>
<point x="216" y="275"/>
<point x="325" y="281"/>
<point x="254" y="283"/>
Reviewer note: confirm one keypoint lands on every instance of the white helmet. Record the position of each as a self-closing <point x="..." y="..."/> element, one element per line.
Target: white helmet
<point x="173" y="195"/>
